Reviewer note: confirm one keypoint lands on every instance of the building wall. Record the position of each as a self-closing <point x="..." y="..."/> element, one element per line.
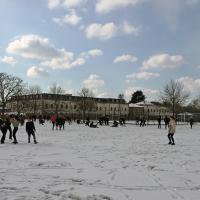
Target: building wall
<point x="69" y="106"/>
<point x="149" y="112"/>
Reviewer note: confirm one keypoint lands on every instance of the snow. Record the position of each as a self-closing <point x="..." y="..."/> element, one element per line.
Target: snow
<point x="105" y="163"/>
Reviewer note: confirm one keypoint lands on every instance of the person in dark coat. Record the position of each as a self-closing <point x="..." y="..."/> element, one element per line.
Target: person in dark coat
<point x="4" y="129"/>
<point x="8" y="124"/>
<point x="15" y="122"/>
<point x="30" y="129"/>
<point x="191" y="122"/>
<point x="115" y="124"/>
<point x="159" y="121"/>
<point x="166" y="120"/>
<point x="58" y="123"/>
<point x="92" y="125"/>
<point x="63" y="122"/>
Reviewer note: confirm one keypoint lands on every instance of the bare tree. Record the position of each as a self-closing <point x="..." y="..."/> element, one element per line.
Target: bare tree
<point x="87" y="102"/>
<point x="34" y="90"/>
<point x="56" y="90"/>
<point x="21" y="104"/>
<point x="195" y="103"/>
<point x="9" y="87"/>
<point x="174" y="95"/>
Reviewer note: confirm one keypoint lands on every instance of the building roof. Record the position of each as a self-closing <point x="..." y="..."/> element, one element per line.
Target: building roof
<point x="141" y="104"/>
<point x="185" y="113"/>
<point x="134" y="105"/>
<point x="66" y="97"/>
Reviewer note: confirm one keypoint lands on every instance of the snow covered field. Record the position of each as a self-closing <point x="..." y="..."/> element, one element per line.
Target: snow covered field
<point x="106" y="163"/>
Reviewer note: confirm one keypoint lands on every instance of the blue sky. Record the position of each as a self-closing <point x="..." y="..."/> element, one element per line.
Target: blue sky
<point x="108" y="46"/>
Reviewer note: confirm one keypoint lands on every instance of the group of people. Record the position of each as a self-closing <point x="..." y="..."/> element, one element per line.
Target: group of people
<point x="166" y="121"/>
<point x="11" y="124"/>
<point x="58" y="122"/>
<point x="6" y="124"/>
<point x="105" y="121"/>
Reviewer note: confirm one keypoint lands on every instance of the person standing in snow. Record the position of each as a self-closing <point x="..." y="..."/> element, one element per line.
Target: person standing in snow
<point x="15" y="123"/>
<point x="8" y="124"/>
<point x="191" y="122"/>
<point x="159" y="121"/>
<point x="4" y="129"/>
<point x="30" y="129"/>
<point x="171" y="130"/>
<point x="166" y="120"/>
<point x="53" y="121"/>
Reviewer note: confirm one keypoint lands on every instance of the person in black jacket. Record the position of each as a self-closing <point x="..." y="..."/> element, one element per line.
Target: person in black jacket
<point x="159" y="121"/>
<point x="4" y="129"/>
<point x="191" y="122"/>
<point x="8" y="124"/>
<point x="30" y="129"/>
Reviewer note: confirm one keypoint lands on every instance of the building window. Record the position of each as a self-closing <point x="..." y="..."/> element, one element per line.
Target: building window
<point x="66" y="106"/>
<point x="74" y="107"/>
<point x="61" y="106"/>
<point x="51" y="105"/>
<point x="46" y="106"/>
<point x="111" y="108"/>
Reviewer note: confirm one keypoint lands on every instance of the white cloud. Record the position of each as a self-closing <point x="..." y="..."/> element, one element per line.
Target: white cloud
<point x="78" y="62"/>
<point x="35" y="72"/>
<point x="8" y="60"/>
<point x="72" y="18"/>
<point x="190" y="84"/>
<point x="93" y="82"/>
<point x="163" y="61"/>
<point x="72" y="3"/>
<point x="63" y="62"/>
<point x="105" y="6"/>
<point x="105" y="95"/>
<point x="91" y="53"/>
<point x="151" y="94"/>
<point x="95" y="52"/>
<point x="101" y="31"/>
<point x="52" y="4"/>
<point x="142" y="76"/>
<point x="110" y="30"/>
<point x="36" y="47"/>
<point x="125" y="58"/>
<point x="129" y="29"/>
